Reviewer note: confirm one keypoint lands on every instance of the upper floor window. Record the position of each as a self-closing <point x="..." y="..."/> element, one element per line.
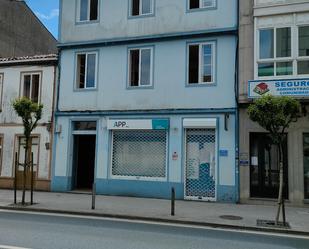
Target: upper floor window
<point x="31" y="86"/>
<point x="140" y="67"/>
<point x="141" y="7"/>
<point x="281" y="54"/>
<point x="88" y="10"/>
<point x="86" y="69"/>
<point x="201" y="64"/>
<point x="200" y="4"/>
<point x="1" y="89"/>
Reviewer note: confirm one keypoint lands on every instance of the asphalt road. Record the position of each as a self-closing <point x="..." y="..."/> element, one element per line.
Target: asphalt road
<point x="42" y="231"/>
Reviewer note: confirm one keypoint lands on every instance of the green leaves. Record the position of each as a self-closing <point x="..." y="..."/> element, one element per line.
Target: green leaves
<point x="30" y="112"/>
<point x="274" y="114"/>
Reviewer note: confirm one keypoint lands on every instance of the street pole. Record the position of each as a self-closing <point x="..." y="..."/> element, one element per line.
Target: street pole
<point x="31" y="191"/>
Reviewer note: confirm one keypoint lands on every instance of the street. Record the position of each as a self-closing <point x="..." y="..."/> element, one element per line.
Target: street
<point x="34" y="230"/>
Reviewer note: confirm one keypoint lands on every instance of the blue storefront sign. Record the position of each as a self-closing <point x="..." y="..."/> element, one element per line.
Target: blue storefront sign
<point x="290" y="87"/>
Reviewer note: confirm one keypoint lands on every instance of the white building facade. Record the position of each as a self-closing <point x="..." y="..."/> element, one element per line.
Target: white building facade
<point x="147" y="98"/>
<point x="274" y="58"/>
<point x="32" y="77"/>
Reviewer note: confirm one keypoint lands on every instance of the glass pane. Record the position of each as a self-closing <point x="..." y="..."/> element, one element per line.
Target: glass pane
<point x="283" y="42"/>
<point x="194" y="4"/>
<point x="135" y="7"/>
<point x="93" y="9"/>
<point x="84" y="125"/>
<point x="303" y="67"/>
<point x="35" y="88"/>
<point x="207" y="67"/>
<point x="27" y="80"/>
<point x="266" y="43"/>
<point x="306" y="164"/>
<point x="81" y="67"/>
<point x="134" y="67"/>
<point x="284" y="68"/>
<point x="83" y="10"/>
<point x="91" y="61"/>
<point x="146" y="6"/>
<point x="193" y="64"/>
<point x="266" y="69"/>
<point x="208" y="3"/>
<point x="145" y="67"/>
<point x="303" y="41"/>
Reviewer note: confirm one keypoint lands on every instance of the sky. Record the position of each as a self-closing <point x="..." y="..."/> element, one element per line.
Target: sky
<point x="48" y="12"/>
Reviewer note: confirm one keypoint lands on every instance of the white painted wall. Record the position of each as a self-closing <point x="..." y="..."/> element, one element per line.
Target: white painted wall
<point x="11" y="124"/>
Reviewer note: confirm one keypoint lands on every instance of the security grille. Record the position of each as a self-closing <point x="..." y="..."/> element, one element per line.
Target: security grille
<point x="139" y="153"/>
<point x="200" y="164"/>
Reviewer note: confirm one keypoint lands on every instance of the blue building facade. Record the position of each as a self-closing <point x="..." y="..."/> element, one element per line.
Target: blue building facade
<point x="146" y="98"/>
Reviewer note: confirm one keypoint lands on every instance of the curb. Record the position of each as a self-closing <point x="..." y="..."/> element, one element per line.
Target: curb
<point x="161" y="220"/>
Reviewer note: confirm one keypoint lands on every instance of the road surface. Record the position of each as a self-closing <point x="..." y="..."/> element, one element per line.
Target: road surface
<point x="49" y="231"/>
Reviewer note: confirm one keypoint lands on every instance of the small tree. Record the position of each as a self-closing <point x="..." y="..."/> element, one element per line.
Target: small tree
<point x="30" y="113"/>
<point x="275" y="114"/>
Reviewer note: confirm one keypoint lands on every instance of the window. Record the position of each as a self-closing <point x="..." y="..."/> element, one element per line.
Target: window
<point x="140" y="67"/>
<point x="35" y="142"/>
<point x="201" y="4"/>
<point x="86" y="70"/>
<point x="1" y="151"/>
<point x="201" y="65"/>
<point x="141" y="7"/>
<point x="88" y="10"/>
<point x="1" y="89"/>
<point x="275" y="54"/>
<point x="139" y="153"/>
<point x="85" y="125"/>
<point x="303" y="50"/>
<point x="31" y="86"/>
<point x="306" y="164"/>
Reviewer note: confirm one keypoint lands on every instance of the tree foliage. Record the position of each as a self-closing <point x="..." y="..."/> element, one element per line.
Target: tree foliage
<point x="29" y="112"/>
<point x="274" y="114"/>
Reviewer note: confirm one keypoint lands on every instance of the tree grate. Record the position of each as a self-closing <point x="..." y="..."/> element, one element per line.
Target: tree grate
<point x="272" y="224"/>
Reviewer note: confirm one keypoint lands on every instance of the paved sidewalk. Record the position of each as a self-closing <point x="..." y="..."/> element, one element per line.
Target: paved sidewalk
<point x="200" y="213"/>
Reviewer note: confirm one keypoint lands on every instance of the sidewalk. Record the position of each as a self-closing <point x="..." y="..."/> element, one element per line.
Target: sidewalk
<point x="187" y="212"/>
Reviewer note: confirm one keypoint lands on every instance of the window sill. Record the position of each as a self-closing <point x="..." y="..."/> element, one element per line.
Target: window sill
<point x="201" y="84"/>
<point x="139" y="87"/>
<point x="201" y="9"/>
<point x="85" y="89"/>
<point x="141" y="16"/>
<point x="87" y="22"/>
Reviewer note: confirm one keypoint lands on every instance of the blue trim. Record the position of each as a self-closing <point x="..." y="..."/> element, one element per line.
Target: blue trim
<point x="53" y="160"/>
<point x="188" y="10"/>
<point x="139" y="188"/>
<point x="141" y="16"/>
<point x="217" y="156"/>
<point x="226" y="194"/>
<point x="85" y="51"/>
<point x="88" y="22"/>
<point x="147" y="112"/>
<point x="150" y="38"/>
<point x="128" y="87"/>
<point x="61" y="183"/>
<point x="201" y="84"/>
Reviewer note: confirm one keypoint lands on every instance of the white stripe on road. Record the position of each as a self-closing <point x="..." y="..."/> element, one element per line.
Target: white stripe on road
<point x="11" y="247"/>
<point x="169" y="224"/>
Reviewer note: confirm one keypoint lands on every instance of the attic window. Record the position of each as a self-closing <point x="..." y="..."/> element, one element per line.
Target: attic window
<point x="88" y="10"/>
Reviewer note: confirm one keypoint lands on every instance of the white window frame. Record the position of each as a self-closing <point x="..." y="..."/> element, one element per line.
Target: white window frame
<point x="214" y="4"/>
<point x="23" y="74"/>
<point x="86" y="70"/>
<point x="88" y="12"/>
<point x="201" y="63"/>
<point x="140" y="67"/>
<point x="294" y="58"/>
<point x="141" y="9"/>
<point x="138" y="178"/>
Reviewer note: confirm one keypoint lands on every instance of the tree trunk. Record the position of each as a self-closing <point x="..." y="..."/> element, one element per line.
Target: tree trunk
<point x="280" y="196"/>
<point x="26" y="164"/>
